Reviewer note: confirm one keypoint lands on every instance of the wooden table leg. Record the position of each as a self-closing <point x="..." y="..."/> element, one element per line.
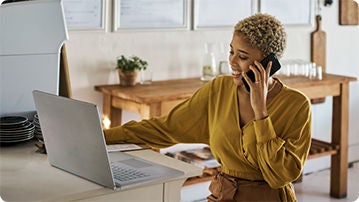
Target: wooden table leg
<point x="114" y="114"/>
<point x="151" y="110"/>
<point x="116" y="117"/>
<point x="339" y="161"/>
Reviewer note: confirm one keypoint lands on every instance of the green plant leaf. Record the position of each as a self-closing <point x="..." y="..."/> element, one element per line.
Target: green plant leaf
<point x="131" y="64"/>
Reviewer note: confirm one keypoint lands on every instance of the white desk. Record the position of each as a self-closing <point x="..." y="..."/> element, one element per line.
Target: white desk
<point x="26" y="175"/>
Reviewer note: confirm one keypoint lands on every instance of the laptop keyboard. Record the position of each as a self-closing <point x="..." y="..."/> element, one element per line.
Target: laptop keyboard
<point x="125" y="174"/>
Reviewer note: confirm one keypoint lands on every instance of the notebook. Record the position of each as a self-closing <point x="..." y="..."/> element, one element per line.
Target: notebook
<point x="75" y="142"/>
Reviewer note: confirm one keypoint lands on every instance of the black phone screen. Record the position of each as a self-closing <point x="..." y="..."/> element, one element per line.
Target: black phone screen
<point x="275" y="67"/>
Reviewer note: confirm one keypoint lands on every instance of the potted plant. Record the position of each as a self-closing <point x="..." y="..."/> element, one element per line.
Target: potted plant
<point x="128" y="69"/>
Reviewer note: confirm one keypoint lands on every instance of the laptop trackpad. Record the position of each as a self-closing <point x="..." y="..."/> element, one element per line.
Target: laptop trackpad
<point x="135" y="163"/>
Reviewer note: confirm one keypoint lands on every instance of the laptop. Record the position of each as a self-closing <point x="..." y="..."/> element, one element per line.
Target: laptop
<point x="75" y="142"/>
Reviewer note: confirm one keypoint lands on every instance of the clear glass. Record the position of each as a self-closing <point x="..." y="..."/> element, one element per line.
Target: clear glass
<point x="319" y="72"/>
<point x="224" y="68"/>
<point x="209" y="67"/>
<point x="146" y="77"/>
<point x="299" y="67"/>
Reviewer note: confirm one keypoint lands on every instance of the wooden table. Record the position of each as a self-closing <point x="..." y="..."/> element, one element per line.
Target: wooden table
<point x="147" y="100"/>
<point x="159" y="97"/>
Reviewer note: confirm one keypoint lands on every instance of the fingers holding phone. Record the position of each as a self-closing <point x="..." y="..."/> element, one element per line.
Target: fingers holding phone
<point x="275" y="66"/>
<point x="263" y="72"/>
<point x="259" y="74"/>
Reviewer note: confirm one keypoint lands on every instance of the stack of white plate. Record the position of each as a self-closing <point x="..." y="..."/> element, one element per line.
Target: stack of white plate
<point x="38" y="133"/>
<point x="15" y="129"/>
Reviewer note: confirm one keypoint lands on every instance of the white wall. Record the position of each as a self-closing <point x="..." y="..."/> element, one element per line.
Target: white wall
<point x="177" y="54"/>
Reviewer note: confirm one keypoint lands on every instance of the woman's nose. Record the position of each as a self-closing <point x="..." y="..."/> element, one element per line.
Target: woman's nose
<point x="232" y="61"/>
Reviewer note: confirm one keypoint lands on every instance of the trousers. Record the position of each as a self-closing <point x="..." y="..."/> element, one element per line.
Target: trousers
<point x="226" y="188"/>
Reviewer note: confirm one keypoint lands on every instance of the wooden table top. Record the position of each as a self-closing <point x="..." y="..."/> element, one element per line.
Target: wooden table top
<point x="157" y="91"/>
<point x="301" y="81"/>
<point x="177" y="89"/>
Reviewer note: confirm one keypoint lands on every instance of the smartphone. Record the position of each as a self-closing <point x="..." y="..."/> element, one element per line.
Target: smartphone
<point x="275" y="67"/>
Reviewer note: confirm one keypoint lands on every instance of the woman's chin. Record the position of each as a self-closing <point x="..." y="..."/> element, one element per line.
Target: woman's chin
<point x="238" y="80"/>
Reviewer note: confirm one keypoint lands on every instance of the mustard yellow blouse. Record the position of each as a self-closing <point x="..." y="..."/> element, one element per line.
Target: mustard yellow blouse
<point x="273" y="149"/>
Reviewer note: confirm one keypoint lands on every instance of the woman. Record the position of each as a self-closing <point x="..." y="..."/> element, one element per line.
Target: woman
<point x="260" y="136"/>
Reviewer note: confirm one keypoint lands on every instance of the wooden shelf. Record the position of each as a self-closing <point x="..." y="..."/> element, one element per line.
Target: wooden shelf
<point x="321" y="148"/>
<point x="318" y="148"/>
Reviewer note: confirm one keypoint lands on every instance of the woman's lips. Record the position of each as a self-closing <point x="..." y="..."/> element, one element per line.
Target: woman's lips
<point x="236" y="74"/>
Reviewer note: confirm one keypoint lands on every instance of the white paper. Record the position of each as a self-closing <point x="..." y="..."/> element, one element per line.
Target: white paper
<point x="122" y="147"/>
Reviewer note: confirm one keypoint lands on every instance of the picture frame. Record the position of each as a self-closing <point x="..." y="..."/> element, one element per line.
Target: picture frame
<point x="150" y="15"/>
<point x="289" y="12"/>
<point x="217" y="14"/>
<point x="85" y="14"/>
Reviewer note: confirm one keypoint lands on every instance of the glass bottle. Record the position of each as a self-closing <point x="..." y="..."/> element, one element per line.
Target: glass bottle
<point x="209" y="67"/>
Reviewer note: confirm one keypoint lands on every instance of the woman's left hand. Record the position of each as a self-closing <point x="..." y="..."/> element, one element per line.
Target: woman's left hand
<point x="259" y="89"/>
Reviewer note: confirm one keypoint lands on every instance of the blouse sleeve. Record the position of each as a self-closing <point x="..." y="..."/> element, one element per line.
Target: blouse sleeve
<point x="185" y="123"/>
<point x="281" y="160"/>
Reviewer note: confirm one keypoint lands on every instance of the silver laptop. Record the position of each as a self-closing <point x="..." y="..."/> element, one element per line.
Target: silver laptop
<point x="75" y="143"/>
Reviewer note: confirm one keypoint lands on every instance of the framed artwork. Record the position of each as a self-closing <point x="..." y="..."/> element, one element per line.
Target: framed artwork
<point x="211" y="14"/>
<point x="290" y="12"/>
<point x="154" y="14"/>
<point x="84" y="14"/>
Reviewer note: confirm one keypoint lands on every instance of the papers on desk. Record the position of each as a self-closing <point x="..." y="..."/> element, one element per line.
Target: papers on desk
<point x="122" y="147"/>
<point x="201" y="157"/>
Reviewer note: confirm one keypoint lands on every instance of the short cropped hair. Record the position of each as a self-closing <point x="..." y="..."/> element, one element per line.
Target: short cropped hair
<point x="264" y="32"/>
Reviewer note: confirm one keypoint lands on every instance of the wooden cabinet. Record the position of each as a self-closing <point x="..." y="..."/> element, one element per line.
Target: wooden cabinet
<point x="159" y="97"/>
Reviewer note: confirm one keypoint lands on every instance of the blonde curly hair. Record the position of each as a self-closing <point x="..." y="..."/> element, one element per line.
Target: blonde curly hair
<point x="264" y="32"/>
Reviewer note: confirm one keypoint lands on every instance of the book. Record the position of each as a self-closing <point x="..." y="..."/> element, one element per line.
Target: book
<point x="201" y="157"/>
